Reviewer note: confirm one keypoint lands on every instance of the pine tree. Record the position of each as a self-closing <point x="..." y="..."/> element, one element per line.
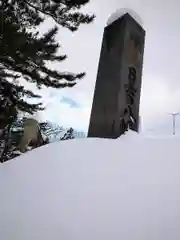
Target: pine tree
<point x="51" y="130"/>
<point x="24" y="53"/>
<point x="56" y="132"/>
<point x="68" y="135"/>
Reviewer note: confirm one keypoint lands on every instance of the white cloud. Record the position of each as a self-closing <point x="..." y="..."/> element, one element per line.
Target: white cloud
<point x="64" y="115"/>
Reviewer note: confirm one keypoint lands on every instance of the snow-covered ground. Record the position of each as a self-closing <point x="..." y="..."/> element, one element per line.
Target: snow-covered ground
<point x="93" y="189"/>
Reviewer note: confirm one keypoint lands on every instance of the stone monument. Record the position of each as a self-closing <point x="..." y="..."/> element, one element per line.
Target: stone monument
<point x="116" y="100"/>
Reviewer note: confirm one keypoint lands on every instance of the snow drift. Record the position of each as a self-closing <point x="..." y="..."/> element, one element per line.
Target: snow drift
<point x="93" y="189"/>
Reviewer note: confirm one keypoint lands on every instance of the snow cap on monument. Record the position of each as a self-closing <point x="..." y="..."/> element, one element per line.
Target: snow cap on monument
<point x="122" y="11"/>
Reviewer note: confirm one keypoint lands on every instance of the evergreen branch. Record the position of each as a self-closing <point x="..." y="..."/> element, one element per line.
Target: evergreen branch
<point x="40" y="10"/>
<point x="67" y="18"/>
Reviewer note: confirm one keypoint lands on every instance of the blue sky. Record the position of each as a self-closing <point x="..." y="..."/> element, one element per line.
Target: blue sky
<point x="160" y="81"/>
<point x="70" y="102"/>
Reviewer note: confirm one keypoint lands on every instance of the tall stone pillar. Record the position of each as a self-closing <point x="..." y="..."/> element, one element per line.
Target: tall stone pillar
<point x="117" y="91"/>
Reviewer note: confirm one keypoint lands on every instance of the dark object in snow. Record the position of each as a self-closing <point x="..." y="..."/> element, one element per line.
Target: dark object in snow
<point x="116" y="100"/>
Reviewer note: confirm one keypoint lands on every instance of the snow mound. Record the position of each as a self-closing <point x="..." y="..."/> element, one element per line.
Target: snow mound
<point x="120" y="12"/>
<point x="36" y="116"/>
<point x="93" y="189"/>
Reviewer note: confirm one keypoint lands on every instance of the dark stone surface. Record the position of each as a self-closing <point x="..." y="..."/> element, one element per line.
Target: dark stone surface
<point x="118" y="85"/>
